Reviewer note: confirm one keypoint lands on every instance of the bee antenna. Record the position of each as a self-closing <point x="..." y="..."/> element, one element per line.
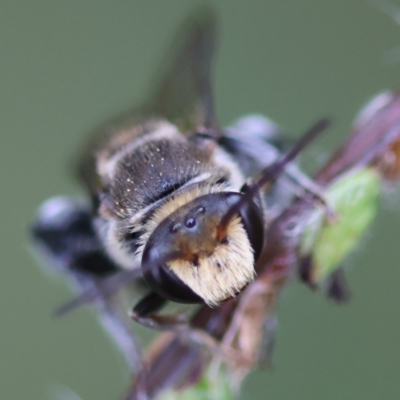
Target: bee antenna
<point x="271" y="173"/>
<point x="110" y="286"/>
<point x="100" y="292"/>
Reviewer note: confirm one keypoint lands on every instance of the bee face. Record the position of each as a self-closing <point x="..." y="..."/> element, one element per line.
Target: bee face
<point x="195" y="248"/>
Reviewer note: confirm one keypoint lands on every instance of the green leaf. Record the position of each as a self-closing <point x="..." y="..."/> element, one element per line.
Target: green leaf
<point x="355" y="199"/>
<point x="212" y="386"/>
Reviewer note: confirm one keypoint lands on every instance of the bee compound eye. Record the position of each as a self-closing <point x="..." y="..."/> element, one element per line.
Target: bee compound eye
<point x="253" y="224"/>
<point x="162" y="280"/>
<point x="252" y="220"/>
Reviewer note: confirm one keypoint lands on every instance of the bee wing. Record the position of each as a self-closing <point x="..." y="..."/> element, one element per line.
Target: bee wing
<point x="182" y="95"/>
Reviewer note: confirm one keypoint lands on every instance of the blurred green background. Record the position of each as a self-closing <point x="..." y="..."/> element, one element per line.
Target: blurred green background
<point x="65" y="66"/>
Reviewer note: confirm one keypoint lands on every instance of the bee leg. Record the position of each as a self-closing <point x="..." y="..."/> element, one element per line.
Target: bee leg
<point x="64" y="235"/>
<point x="145" y="313"/>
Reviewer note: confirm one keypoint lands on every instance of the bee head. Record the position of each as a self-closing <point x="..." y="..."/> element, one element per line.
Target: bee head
<point x="196" y="255"/>
<point x="205" y="249"/>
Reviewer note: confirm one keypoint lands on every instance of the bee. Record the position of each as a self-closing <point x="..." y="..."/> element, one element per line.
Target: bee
<point x="173" y="198"/>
